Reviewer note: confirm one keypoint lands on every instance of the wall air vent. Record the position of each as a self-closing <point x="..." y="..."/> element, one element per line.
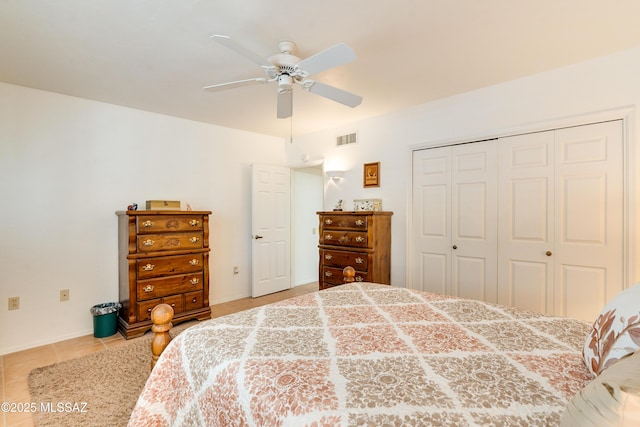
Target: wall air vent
<point x="350" y="138"/>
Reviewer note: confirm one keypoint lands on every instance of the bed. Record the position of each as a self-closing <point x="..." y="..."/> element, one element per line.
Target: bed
<point x="371" y="355"/>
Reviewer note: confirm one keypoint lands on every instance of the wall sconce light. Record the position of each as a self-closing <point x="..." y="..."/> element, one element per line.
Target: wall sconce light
<point x="335" y="175"/>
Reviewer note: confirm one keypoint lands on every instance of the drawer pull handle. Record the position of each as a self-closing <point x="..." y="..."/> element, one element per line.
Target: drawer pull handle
<point x="148" y="288"/>
<point x="148" y="267"/>
<point x="328" y="273"/>
<point x="328" y="237"/>
<point x="148" y="223"/>
<point x="194" y="239"/>
<point x="194" y="223"/>
<point x="194" y="281"/>
<point x="148" y="242"/>
<point x="148" y="310"/>
<point x="359" y="222"/>
<point x="359" y="260"/>
<point x="194" y="262"/>
<point x="328" y="221"/>
<point x="173" y="305"/>
<point x="359" y="279"/>
<point x="194" y="300"/>
<point x="359" y="239"/>
<point x="328" y="256"/>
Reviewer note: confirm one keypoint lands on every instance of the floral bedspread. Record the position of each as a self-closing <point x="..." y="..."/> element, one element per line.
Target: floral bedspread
<point x="367" y="354"/>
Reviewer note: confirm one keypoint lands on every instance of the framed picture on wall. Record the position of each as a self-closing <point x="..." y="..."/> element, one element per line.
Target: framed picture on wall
<point x="372" y="174"/>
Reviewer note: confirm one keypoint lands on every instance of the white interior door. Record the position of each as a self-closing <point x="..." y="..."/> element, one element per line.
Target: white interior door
<point x="561" y="219"/>
<point x="474" y="225"/>
<point x="454" y="211"/>
<point x="271" y="225"/>
<point x="526" y="217"/>
<point x="589" y="199"/>
<point x="431" y="201"/>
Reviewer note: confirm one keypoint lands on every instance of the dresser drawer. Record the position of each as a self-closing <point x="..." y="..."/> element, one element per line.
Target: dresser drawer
<point x="169" y="265"/>
<point x="164" y="286"/>
<point x="354" y="239"/>
<point x="145" y="307"/>
<point x="342" y="259"/>
<point x="147" y="224"/>
<point x="193" y="300"/>
<point x="176" y="302"/>
<point x="334" y="276"/>
<point x="170" y="242"/>
<point x="339" y="222"/>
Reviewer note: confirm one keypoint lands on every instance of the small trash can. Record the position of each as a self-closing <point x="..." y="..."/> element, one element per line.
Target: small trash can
<point x="105" y="319"/>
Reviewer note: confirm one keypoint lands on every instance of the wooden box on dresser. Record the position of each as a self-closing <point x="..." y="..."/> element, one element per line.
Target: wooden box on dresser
<point x="163" y="258"/>
<point x="359" y="239"/>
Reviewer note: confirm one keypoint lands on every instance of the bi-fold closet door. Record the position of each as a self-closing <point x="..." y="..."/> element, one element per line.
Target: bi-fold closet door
<point x="532" y="221"/>
<point x="455" y="220"/>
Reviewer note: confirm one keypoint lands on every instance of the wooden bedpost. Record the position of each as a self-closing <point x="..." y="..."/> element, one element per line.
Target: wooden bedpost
<point x="349" y="274"/>
<point x="161" y="316"/>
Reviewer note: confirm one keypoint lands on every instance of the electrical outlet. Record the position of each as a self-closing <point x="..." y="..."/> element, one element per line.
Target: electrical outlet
<point x="64" y="295"/>
<point x="14" y="303"/>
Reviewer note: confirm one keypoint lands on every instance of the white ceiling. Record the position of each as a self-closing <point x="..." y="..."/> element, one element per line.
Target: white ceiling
<point x="156" y="55"/>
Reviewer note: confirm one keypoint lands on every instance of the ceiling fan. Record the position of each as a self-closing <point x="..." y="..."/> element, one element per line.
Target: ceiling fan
<point x="287" y="69"/>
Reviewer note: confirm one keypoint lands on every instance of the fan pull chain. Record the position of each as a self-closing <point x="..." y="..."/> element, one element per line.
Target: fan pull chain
<point x="291" y="130"/>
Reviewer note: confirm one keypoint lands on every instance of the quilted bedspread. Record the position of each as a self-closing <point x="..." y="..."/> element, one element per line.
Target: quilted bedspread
<point x="371" y="355"/>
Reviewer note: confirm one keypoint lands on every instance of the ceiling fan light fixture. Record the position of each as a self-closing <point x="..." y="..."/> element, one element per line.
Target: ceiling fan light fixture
<point x="285" y="82"/>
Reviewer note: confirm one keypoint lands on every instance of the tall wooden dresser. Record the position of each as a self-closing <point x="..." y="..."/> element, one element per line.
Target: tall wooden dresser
<point x="359" y="239"/>
<point x="163" y="258"/>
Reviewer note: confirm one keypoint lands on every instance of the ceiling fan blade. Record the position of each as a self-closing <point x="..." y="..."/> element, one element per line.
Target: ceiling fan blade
<point x="231" y="85"/>
<point x="229" y="43"/>
<point x="333" y="93"/>
<point x="285" y="104"/>
<point x="328" y="58"/>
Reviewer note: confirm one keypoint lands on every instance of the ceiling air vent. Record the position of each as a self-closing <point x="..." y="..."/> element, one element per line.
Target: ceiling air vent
<point x="350" y="138"/>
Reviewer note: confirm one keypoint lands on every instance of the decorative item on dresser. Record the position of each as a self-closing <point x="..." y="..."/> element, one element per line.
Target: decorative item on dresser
<point x="163" y="258"/>
<point x="359" y="239"/>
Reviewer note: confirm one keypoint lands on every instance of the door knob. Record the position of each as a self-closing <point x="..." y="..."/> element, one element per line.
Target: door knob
<point x="455" y="246"/>
<point x="257" y="236"/>
<point x="548" y="253"/>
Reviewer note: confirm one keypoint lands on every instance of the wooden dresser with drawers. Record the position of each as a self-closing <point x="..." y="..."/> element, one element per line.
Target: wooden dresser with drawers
<point x="163" y="258"/>
<point x="359" y="239"/>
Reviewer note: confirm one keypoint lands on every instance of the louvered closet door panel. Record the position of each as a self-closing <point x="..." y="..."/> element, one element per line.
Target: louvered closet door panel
<point x="588" y="256"/>
<point x="431" y="264"/>
<point x="474" y="221"/>
<point x="526" y="218"/>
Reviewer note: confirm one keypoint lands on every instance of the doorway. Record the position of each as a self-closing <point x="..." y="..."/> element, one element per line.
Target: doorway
<point x="307" y="196"/>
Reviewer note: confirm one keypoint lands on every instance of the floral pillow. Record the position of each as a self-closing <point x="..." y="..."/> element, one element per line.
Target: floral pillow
<point x="615" y="333"/>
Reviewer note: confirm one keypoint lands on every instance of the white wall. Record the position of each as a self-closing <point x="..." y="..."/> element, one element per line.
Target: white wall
<point x="562" y="96"/>
<point x="66" y="166"/>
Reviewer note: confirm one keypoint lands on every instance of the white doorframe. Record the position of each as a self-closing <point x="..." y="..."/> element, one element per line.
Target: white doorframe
<point x="631" y="177"/>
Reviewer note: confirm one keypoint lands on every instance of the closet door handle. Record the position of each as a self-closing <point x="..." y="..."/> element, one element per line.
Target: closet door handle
<point x="548" y="253"/>
<point x="455" y="246"/>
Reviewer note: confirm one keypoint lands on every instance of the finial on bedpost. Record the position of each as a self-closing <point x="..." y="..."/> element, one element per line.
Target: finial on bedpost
<point x="348" y="274"/>
<point x="161" y="316"/>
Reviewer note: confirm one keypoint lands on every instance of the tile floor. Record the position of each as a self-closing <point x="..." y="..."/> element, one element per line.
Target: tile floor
<point x="15" y="367"/>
